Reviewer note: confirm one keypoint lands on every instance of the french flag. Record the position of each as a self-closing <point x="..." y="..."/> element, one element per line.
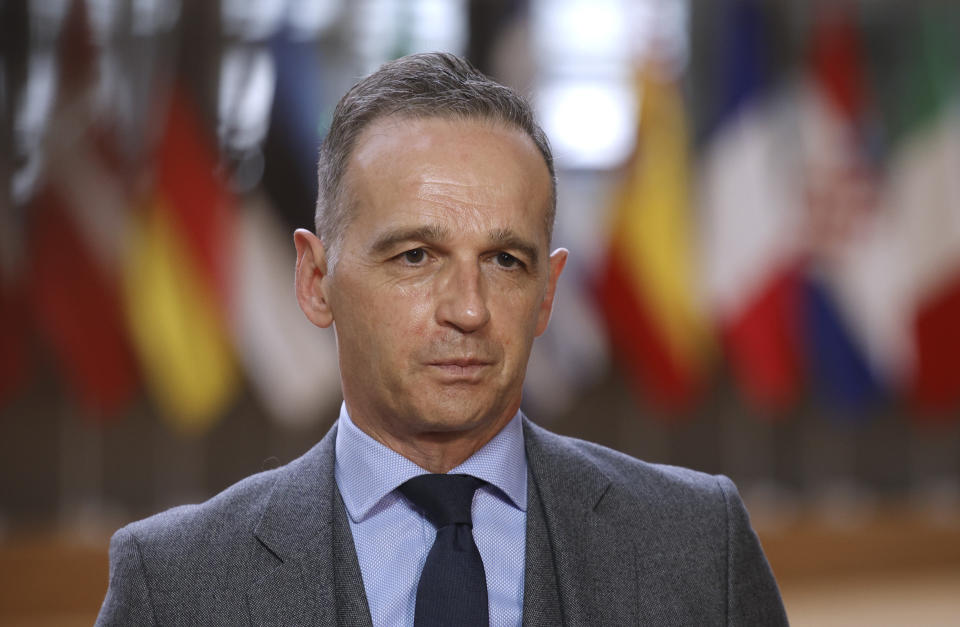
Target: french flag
<point x="751" y="219"/>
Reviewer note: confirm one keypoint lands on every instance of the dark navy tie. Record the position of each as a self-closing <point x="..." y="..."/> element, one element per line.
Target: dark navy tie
<point x="453" y="585"/>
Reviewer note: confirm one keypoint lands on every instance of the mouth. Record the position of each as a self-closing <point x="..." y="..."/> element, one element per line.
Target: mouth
<point x="461" y="369"/>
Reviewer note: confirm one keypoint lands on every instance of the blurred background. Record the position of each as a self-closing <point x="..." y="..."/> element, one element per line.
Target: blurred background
<point x="761" y="199"/>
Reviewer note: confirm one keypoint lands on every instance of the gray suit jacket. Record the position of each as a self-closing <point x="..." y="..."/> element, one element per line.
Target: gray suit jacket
<point x="610" y="541"/>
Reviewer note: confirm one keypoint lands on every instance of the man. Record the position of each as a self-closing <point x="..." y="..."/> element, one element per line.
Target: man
<point x="432" y="262"/>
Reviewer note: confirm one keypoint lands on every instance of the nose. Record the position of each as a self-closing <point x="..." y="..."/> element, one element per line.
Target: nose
<point x="462" y="302"/>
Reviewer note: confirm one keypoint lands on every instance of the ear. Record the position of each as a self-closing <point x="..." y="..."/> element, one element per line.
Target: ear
<point x="311" y="278"/>
<point x="558" y="259"/>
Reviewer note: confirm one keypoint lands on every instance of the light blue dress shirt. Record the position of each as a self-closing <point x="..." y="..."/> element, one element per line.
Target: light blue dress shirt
<point x="392" y="539"/>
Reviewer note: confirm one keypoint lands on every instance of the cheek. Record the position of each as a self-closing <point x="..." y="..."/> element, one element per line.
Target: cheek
<point x="518" y="313"/>
<point x="412" y="311"/>
<point x="394" y="322"/>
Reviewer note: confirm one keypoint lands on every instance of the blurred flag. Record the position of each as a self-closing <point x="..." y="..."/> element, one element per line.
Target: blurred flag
<point x="843" y="294"/>
<point x="749" y="200"/>
<point x="646" y="288"/>
<point x="15" y="359"/>
<point x="924" y="185"/>
<point x="291" y="363"/>
<point x="290" y="150"/>
<point x="177" y="277"/>
<point x="75" y="229"/>
<point x="77" y="308"/>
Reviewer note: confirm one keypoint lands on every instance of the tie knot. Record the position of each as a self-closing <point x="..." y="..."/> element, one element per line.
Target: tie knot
<point x="444" y="499"/>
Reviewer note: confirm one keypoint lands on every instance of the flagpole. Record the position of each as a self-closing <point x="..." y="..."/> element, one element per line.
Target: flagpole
<point x="81" y="471"/>
<point x="178" y="466"/>
<point x="934" y="467"/>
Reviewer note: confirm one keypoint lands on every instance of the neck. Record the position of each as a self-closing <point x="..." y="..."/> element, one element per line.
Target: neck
<point x="434" y="451"/>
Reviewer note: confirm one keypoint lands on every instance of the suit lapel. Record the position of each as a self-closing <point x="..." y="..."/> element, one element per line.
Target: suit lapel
<point x="351" y="600"/>
<point x="594" y="561"/>
<point x="296" y="528"/>
<point x="541" y="600"/>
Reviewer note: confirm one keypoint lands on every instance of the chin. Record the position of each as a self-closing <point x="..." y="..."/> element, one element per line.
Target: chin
<point x="456" y="418"/>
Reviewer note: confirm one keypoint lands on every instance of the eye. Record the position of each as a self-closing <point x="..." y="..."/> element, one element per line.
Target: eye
<point x="415" y="256"/>
<point x="506" y="260"/>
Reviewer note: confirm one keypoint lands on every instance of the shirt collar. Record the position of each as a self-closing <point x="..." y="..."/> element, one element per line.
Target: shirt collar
<point x="366" y="470"/>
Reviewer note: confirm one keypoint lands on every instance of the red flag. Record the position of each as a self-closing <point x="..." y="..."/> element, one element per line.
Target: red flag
<point x="762" y="343"/>
<point x="15" y="361"/>
<point x="199" y="206"/>
<point x="936" y="331"/>
<point x="77" y="309"/>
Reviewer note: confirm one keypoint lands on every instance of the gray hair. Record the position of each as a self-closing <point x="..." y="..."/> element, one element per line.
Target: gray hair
<point x="417" y="86"/>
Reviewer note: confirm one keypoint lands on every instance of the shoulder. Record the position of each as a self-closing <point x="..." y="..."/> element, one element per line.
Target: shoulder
<point x="200" y="560"/>
<point x="660" y="482"/>
<point x="185" y="559"/>
<point x="235" y="512"/>
<point x="203" y="553"/>
<point x="689" y="524"/>
<point x="576" y="473"/>
<point x="224" y="530"/>
<point x="224" y="516"/>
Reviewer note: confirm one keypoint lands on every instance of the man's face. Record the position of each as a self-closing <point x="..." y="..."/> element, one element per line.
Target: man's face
<point x="443" y="277"/>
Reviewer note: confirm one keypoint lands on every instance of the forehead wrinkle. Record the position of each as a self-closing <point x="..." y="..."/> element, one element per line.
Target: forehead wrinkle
<point x="458" y="194"/>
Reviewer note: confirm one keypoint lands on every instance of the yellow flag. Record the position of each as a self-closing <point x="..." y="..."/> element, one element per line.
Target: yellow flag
<point x="654" y="227"/>
<point x="178" y="328"/>
<point x="647" y="287"/>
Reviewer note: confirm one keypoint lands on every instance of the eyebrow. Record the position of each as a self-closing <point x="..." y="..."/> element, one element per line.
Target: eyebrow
<point x="428" y="234"/>
<point x="505" y="238"/>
